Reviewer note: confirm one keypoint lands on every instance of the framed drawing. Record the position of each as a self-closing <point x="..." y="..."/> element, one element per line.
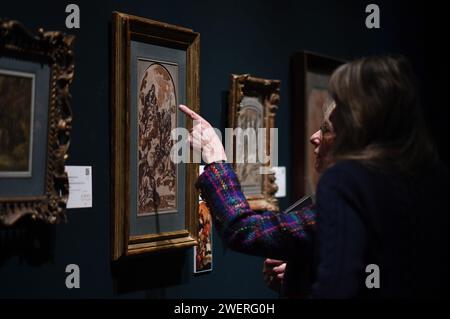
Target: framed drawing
<point x="35" y="122"/>
<point x="155" y="68"/>
<point x="310" y="75"/>
<point x="252" y="105"/>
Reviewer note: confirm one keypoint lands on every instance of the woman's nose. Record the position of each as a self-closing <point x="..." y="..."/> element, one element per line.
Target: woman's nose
<point x="315" y="139"/>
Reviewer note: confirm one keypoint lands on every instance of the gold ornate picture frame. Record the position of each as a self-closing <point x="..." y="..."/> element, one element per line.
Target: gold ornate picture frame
<point x="154" y="201"/>
<point x="35" y="122"/>
<point x="252" y="104"/>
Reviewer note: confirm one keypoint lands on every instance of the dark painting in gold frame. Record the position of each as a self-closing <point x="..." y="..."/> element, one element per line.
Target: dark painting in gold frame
<point x="37" y="185"/>
<point x="16" y="123"/>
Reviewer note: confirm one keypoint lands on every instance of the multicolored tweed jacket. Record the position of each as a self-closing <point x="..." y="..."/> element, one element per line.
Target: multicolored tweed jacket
<point x="266" y="234"/>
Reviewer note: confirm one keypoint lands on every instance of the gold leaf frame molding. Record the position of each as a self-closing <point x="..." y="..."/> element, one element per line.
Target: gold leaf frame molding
<point x="268" y="93"/>
<point x="54" y="49"/>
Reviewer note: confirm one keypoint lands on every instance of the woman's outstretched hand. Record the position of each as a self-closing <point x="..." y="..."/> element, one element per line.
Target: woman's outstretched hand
<point x="203" y="138"/>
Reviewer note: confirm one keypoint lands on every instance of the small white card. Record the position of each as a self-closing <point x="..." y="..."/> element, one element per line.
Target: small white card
<point x="80" y="186"/>
<point x="280" y="179"/>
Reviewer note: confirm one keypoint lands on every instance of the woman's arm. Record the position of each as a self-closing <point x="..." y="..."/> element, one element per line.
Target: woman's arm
<point x="267" y="234"/>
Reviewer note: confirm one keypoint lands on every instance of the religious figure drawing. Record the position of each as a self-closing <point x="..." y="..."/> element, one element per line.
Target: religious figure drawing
<point x="157" y="105"/>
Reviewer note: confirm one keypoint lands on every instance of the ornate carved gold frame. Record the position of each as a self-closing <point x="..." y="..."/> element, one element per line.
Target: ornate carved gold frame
<point x="56" y="50"/>
<point x="126" y="28"/>
<point x="269" y="93"/>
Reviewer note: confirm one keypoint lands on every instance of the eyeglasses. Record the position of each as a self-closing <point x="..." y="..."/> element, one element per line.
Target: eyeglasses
<point x="326" y="130"/>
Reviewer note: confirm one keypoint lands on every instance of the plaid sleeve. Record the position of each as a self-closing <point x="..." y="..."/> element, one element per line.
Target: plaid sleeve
<point x="267" y="233"/>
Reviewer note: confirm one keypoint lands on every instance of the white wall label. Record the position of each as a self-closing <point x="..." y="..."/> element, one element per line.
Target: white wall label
<point x="280" y="179"/>
<point x="80" y="186"/>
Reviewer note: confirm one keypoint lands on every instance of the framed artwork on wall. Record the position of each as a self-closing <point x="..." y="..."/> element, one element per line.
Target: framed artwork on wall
<point x="155" y="68"/>
<point x="35" y="122"/>
<point x="252" y="105"/>
<point x="203" y="251"/>
<point x="310" y="74"/>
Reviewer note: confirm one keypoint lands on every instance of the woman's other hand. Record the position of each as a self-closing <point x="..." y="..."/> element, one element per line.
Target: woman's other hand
<point x="273" y="271"/>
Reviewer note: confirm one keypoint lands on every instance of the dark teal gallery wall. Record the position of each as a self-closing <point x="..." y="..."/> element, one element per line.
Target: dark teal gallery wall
<point x="256" y="37"/>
